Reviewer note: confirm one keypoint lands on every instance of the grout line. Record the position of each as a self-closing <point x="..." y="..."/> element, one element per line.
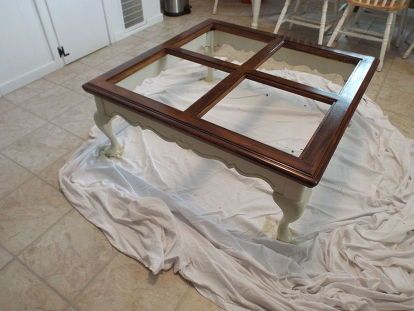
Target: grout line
<point x="8" y="252"/>
<point x="44" y="232"/>
<point x="15" y="258"/>
<point x="26" y="135"/>
<point x="20" y="185"/>
<point x="69" y="303"/>
<point x="92" y="279"/>
<point x="19" y="253"/>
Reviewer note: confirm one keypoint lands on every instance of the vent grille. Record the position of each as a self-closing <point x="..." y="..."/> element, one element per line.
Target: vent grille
<point x="132" y="12"/>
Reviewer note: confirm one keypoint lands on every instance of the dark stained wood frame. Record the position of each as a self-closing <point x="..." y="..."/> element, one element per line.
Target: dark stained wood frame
<point x="306" y="169"/>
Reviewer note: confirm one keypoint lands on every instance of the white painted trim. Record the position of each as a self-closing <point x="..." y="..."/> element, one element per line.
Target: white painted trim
<point x="113" y="12"/>
<point x="130" y="31"/>
<point x="115" y="22"/>
<point x="43" y="70"/>
<point x="48" y="29"/>
<point x="28" y="77"/>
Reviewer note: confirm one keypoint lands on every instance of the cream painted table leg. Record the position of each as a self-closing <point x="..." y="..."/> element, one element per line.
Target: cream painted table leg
<point x="209" y="50"/>
<point x="256" y="4"/>
<point x="104" y="123"/>
<point x="292" y="205"/>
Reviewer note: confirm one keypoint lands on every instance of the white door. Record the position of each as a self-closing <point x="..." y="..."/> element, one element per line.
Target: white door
<point x="80" y="26"/>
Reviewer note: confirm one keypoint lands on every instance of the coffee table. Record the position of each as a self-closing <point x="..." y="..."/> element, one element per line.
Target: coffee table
<point x="291" y="176"/>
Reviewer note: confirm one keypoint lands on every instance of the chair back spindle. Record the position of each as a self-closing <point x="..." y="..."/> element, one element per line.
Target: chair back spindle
<point x="384" y="4"/>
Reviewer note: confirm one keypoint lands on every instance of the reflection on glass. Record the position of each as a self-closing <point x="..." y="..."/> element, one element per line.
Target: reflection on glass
<point x="173" y="81"/>
<point x="271" y="116"/>
<point x="225" y="46"/>
<point x="290" y="61"/>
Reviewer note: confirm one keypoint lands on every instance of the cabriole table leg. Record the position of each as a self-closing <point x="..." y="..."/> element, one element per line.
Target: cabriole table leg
<point x="104" y="123"/>
<point x="292" y="209"/>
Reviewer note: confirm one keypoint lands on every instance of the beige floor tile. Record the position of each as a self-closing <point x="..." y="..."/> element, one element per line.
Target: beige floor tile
<point x="22" y="94"/>
<point x="41" y="148"/>
<point x="5" y="105"/>
<point x="21" y="290"/>
<point x="126" y="44"/>
<point x="16" y="123"/>
<point x="394" y="99"/>
<point x="28" y="212"/>
<point x="126" y="285"/>
<point x="52" y="102"/>
<point x="401" y="75"/>
<point x="67" y="72"/>
<point x="139" y="49"/>
<point x="12" y="176"/>
<point x="99" y="56"/>
<point x="76" y="83"/>
<point x="194" y="301"/>
<point x="115" y="61"/>
<point x="69" y="254"/>
<point x="405" y="123"/>
<point x="5" y="257"/>
<point x="79" y="119"/>
<point x="50" y="173"/>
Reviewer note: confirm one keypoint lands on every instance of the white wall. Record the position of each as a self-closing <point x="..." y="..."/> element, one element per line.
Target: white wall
<point x="25" y="53"/>
<point x="28" y="42"/>
<point x="113" y="11"/>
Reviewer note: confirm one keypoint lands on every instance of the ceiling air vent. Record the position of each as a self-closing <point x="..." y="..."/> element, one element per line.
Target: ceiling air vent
<point x="132" y="12"/>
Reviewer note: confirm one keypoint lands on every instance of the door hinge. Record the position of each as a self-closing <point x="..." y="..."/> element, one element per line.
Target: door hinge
<point x="61" y="51"/>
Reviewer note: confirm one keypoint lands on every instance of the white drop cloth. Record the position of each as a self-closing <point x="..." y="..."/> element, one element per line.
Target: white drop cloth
<point x="168" y="207"/>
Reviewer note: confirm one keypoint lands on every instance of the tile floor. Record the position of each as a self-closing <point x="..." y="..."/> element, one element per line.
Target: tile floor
<point x="53" y="259"/>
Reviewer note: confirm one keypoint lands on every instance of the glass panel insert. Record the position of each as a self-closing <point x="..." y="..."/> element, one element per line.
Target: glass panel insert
<point x="269" y="115"/>
<point x="286" y="62"/>
<point x="225" y="46"/>
<point x="173" y="81"/>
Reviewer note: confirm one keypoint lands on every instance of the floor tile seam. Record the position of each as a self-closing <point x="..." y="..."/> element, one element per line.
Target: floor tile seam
<point x="49" y="286"/>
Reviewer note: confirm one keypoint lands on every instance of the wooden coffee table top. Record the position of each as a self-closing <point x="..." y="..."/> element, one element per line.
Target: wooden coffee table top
<point x="306" y="169"/>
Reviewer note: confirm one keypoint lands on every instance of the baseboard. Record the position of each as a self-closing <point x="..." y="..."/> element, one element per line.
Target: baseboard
<point x="28" y="77"/>
<point x="148" y="23"/>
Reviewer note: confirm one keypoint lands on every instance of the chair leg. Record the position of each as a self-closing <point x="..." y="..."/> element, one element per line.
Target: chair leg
<point x="323" y="21"/>
<point x="281" y="18"/>
<point x="401" y="27"/>
<point x="295" y="12"/>
<point x="390" y="22"/>
<point x="408" y="52"/>
<point x="391" y="32"/>
<point x="336" y="9"/>
<point x="215" y="7"/>
<point x="347" y="13"/>
<point x="358" y="16"/>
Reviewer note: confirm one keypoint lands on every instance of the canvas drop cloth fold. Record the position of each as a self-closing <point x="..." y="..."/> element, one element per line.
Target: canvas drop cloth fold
<point x="170" y="208"/>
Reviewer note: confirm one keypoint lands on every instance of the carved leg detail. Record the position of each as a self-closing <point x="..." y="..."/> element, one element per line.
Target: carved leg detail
<point x="292" y="210"/>
<point x="104" y="123"/>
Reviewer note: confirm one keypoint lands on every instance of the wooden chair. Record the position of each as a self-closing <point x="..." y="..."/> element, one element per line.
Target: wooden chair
<point x="391" y="7"/>
<point x="295" y="18"/>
